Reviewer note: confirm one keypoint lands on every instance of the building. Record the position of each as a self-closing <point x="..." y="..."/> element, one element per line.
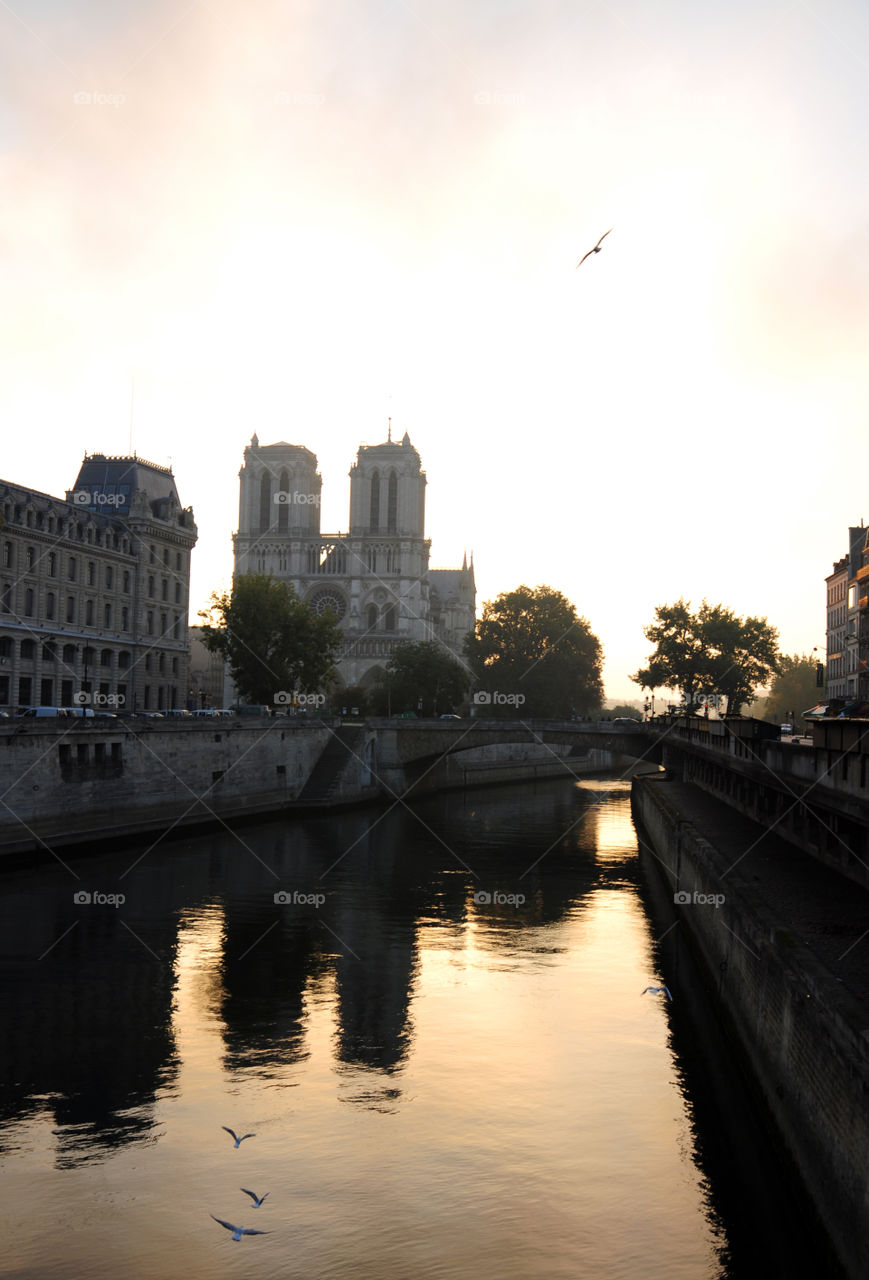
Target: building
<point x="94" y="590"/>
<point x="376" y="577"/>
<point x="848" y="621"/>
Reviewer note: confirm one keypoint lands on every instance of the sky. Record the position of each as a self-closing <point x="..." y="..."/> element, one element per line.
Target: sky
<point x="302" y="218"/>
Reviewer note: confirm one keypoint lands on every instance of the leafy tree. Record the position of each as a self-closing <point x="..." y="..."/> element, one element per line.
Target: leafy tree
<point x="793" y="688"/>
<point x="532" y="645"/>
<point x="272" y="641"/>
<point x="712" y="652"/>
<point x="624" y="709"/>
<point x="420" y="671"/>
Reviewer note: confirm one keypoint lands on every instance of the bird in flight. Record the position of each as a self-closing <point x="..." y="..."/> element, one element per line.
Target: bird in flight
<point x="656" y="991"/>
<point x="596" y="248"/>
<point x="238" y="1232"/>
<point x="233" y="1134"/>
<point x="257" y="1200"/>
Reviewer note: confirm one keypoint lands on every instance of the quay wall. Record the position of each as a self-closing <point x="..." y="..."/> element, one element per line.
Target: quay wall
<point x="805" y="1037"/>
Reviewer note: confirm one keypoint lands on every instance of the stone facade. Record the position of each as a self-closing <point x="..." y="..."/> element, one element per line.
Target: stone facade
<point x="375" y="578"/>
<point x="94" y="590"/>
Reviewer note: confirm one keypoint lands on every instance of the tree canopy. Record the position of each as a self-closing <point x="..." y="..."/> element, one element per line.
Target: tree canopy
<point x="793" y="689"/>
<point x="421" y="672"/>
<point x="532" y="654"/>
<point x="275" y="644"/>
<point x="710" y="652"/>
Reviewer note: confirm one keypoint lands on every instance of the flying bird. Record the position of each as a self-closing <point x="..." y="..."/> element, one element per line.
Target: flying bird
<point x="233" y="1134"/>
<point x="596" y="248"/>
<point x="238" y="1232"/>
<point x="257" y="1200"/>
<point x="656" y="991"/>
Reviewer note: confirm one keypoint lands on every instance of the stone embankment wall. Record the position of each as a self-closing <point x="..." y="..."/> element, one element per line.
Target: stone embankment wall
<point x="807" y="1038"/>
<point x="89" y="782"/>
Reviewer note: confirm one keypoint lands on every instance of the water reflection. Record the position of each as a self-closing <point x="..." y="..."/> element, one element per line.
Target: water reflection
<point x="440" y="1014"/>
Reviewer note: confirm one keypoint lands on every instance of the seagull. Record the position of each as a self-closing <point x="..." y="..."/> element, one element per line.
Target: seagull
<point x="257" y="1200"/>
<point x="238" y="1140"/>
<point x="238" y="1232"/>
<point x="596" y="248"/>
<point x="656" y="991"/>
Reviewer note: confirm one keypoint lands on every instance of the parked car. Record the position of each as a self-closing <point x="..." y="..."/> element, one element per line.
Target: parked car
<point x="177" y="713"/>
<point x="786" y="730"/>
<point x="43" y="713"/>
<point x="83" y="713"/>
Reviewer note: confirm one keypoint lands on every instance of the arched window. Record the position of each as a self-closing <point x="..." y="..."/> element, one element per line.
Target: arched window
<point x="392" y="503"/>
<point x="389" y="619"/>
<point x="265" y="502"/>
<point x="371" y="617"/>
<point x="28" y="650"/>
<point x="282" y="497"/>
<point x="69" y="654"/>
<point x="375" y="500"/>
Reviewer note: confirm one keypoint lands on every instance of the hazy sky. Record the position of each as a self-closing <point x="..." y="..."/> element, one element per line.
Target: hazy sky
<point x="300" y="218"/>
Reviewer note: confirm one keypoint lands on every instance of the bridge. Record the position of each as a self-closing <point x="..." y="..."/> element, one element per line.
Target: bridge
<point x="407" y="751"/>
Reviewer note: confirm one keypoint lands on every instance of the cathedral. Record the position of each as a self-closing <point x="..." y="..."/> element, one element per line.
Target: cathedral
<point x="375" y="578"/>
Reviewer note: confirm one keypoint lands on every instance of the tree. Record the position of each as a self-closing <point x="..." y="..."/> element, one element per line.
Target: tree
<point x="274" y="643"/>
<point x="709" y="653"/>
<point x="420" y="671"/>
<point x="793" y="688"/>
<point x="532" y="654"/>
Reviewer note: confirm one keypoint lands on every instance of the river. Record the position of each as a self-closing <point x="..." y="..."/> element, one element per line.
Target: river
<point x="430" y="1019"/>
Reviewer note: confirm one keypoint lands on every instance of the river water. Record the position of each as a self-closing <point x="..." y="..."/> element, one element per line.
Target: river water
<point x="436" y="1036"/>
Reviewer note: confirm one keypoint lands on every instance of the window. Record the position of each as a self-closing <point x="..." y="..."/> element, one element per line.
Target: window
<point x="31" y="557"/>
<point x="150" y="623"/>
<point x="127" y="581"/>
<point x="174" y="666"/>
<point x="389" y="619"/>
<point x="52" y="565"/>
<point x="178" y="560"/>
<point x="166" y="556"/>
<point x="6" y="604"/>
<point x="106" y="659"/>
<point x="89" y="613"/>
<point x="70" y="608"/>
<point x="147" y="662"/>
<point x="49" y="652"/>
<point x="125" y="619"/>
<point x="5" y="647"/>
<point x="161" y="664"/>
<point x="107" y="616"/>
<point x="123" y="660"/>
<point x="28" y="603"/>
<point x="69" y="654"/>
<point x="165" y="589"/>
<point x="150" y="584"/>
<point x="49" y="606"/>
<point x="92" y="573"/>
<point x="153" y="556"/>
<point x="110" y="577"/>
<point x="177" y="592"/>
<point x="375" y="500"/>
<point x="71" y="569"/>
<point x="392" y="503"/>
<point x="176" y="629"/>
<point x="371" y="617"/>
<point x="28" y="650"/>
<point x="7" y="555"/>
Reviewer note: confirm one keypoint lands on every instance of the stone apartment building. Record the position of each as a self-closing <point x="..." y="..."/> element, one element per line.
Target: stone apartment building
<point x="94" y="590"/>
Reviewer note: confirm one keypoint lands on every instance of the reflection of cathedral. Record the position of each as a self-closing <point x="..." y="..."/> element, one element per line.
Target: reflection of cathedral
<point x="376" y="577"/>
